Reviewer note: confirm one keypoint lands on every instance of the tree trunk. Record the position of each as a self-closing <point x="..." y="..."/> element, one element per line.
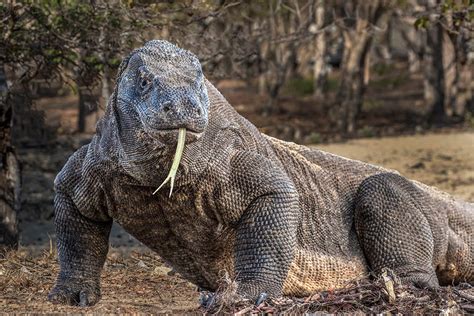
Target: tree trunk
<point x="386" y="44"/>
<point x="263" y="68"/>
<point x="414" y="64"/>
<point x="357" y="42"/>
<point x="352" y="80"/>
<point x="367" y="69"/>
<point x="88" y="102"/>
<point x="352" y="86"/>
<point x="319" y="71"/>
<point x="106" y="86"/>
<point x="279" y="58"/>
<point x="105" y="90"/>
<point x="10" y="178"/>
<point x="415" y="45"/>
<point x="464" y="87"/>
<point x="458" y="71"/>
<point x="434" y="75"/>
<point x="450" y="73"/>
<point x="88" y="111"/>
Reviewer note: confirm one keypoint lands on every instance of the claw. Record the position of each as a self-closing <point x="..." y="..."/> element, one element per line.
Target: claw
<point x="206" y="300"/>
<point x="83" y="299"/>
<point x="176" y="160"/>
<point x="261" y="298"/>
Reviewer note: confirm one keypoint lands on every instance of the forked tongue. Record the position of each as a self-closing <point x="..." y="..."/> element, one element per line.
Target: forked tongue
<point x="177" y="158"/>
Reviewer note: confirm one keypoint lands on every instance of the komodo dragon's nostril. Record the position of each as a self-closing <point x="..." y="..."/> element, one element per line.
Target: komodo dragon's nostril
<point x="199" y="111"/>
<point x="166" y="107"/>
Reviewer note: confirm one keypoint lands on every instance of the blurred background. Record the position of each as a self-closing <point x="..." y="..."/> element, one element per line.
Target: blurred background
<point x="338" y="75"/>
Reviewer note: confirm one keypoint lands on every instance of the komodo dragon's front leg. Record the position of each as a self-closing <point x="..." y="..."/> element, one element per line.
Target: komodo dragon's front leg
<point x="82" y="250"/>
<point x="266" y="230"/>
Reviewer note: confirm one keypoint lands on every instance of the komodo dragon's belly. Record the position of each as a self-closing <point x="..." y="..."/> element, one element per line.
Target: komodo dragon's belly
<point x="312" y="271"/>
<point x="328" y="254"/>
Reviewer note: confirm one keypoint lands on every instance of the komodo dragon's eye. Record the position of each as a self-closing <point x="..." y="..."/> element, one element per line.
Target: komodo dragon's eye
<point x="144" y="83"/>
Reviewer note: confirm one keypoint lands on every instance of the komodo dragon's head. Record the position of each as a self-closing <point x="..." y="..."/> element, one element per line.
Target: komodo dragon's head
<point x="160" y="103"/>
<point x="164" y="85"/>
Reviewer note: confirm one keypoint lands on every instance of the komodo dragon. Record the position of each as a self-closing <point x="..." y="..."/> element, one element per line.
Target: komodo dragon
<point x="280" y="218"/>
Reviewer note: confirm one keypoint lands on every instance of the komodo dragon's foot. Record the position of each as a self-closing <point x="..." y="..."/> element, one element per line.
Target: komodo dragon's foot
<point x="261" y="298"/>
<point x="206" y="299"/>
<point x="422" y="280"/>
<point x="76" y="292"/>
<point x="413" y="275"/>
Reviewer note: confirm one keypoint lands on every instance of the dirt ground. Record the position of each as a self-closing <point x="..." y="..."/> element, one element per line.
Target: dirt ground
<point x="136" y="281"/>
<point x="444" y="160"/>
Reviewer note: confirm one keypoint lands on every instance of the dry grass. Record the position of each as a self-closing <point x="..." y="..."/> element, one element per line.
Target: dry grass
<point x="361" y="297"/>
<point x="131" y="283"/>
<point x="141" y="283"/>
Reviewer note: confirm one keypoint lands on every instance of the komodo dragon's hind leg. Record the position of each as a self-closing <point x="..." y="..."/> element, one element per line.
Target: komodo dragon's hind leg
<point x="394" y="231"/>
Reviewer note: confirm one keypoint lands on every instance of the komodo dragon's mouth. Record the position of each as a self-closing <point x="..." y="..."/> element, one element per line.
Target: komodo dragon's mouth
<point x="176" y="160"/>
<point x="169" y="136"/>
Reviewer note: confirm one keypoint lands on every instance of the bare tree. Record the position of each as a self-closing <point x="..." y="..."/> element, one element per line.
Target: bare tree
<point x="320" y="48"/>
<point x="278" y="55"/>
<point x="358" y="21"/>
<point x="10" y="178"/>
<point x="434" y="70"/>
<point x="438" y="35"/>
<point x="415" y="41"/>
<point x="457" y="65"/>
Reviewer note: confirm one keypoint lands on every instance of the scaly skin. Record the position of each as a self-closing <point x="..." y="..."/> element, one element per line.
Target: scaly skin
<point x="278" y="217"/>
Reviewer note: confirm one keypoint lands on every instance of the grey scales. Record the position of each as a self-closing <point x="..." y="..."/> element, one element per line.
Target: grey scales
<point x="277" y="217"/>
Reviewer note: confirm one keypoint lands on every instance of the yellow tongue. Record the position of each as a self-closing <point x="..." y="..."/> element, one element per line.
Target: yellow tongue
<point x="177" y="158"/>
